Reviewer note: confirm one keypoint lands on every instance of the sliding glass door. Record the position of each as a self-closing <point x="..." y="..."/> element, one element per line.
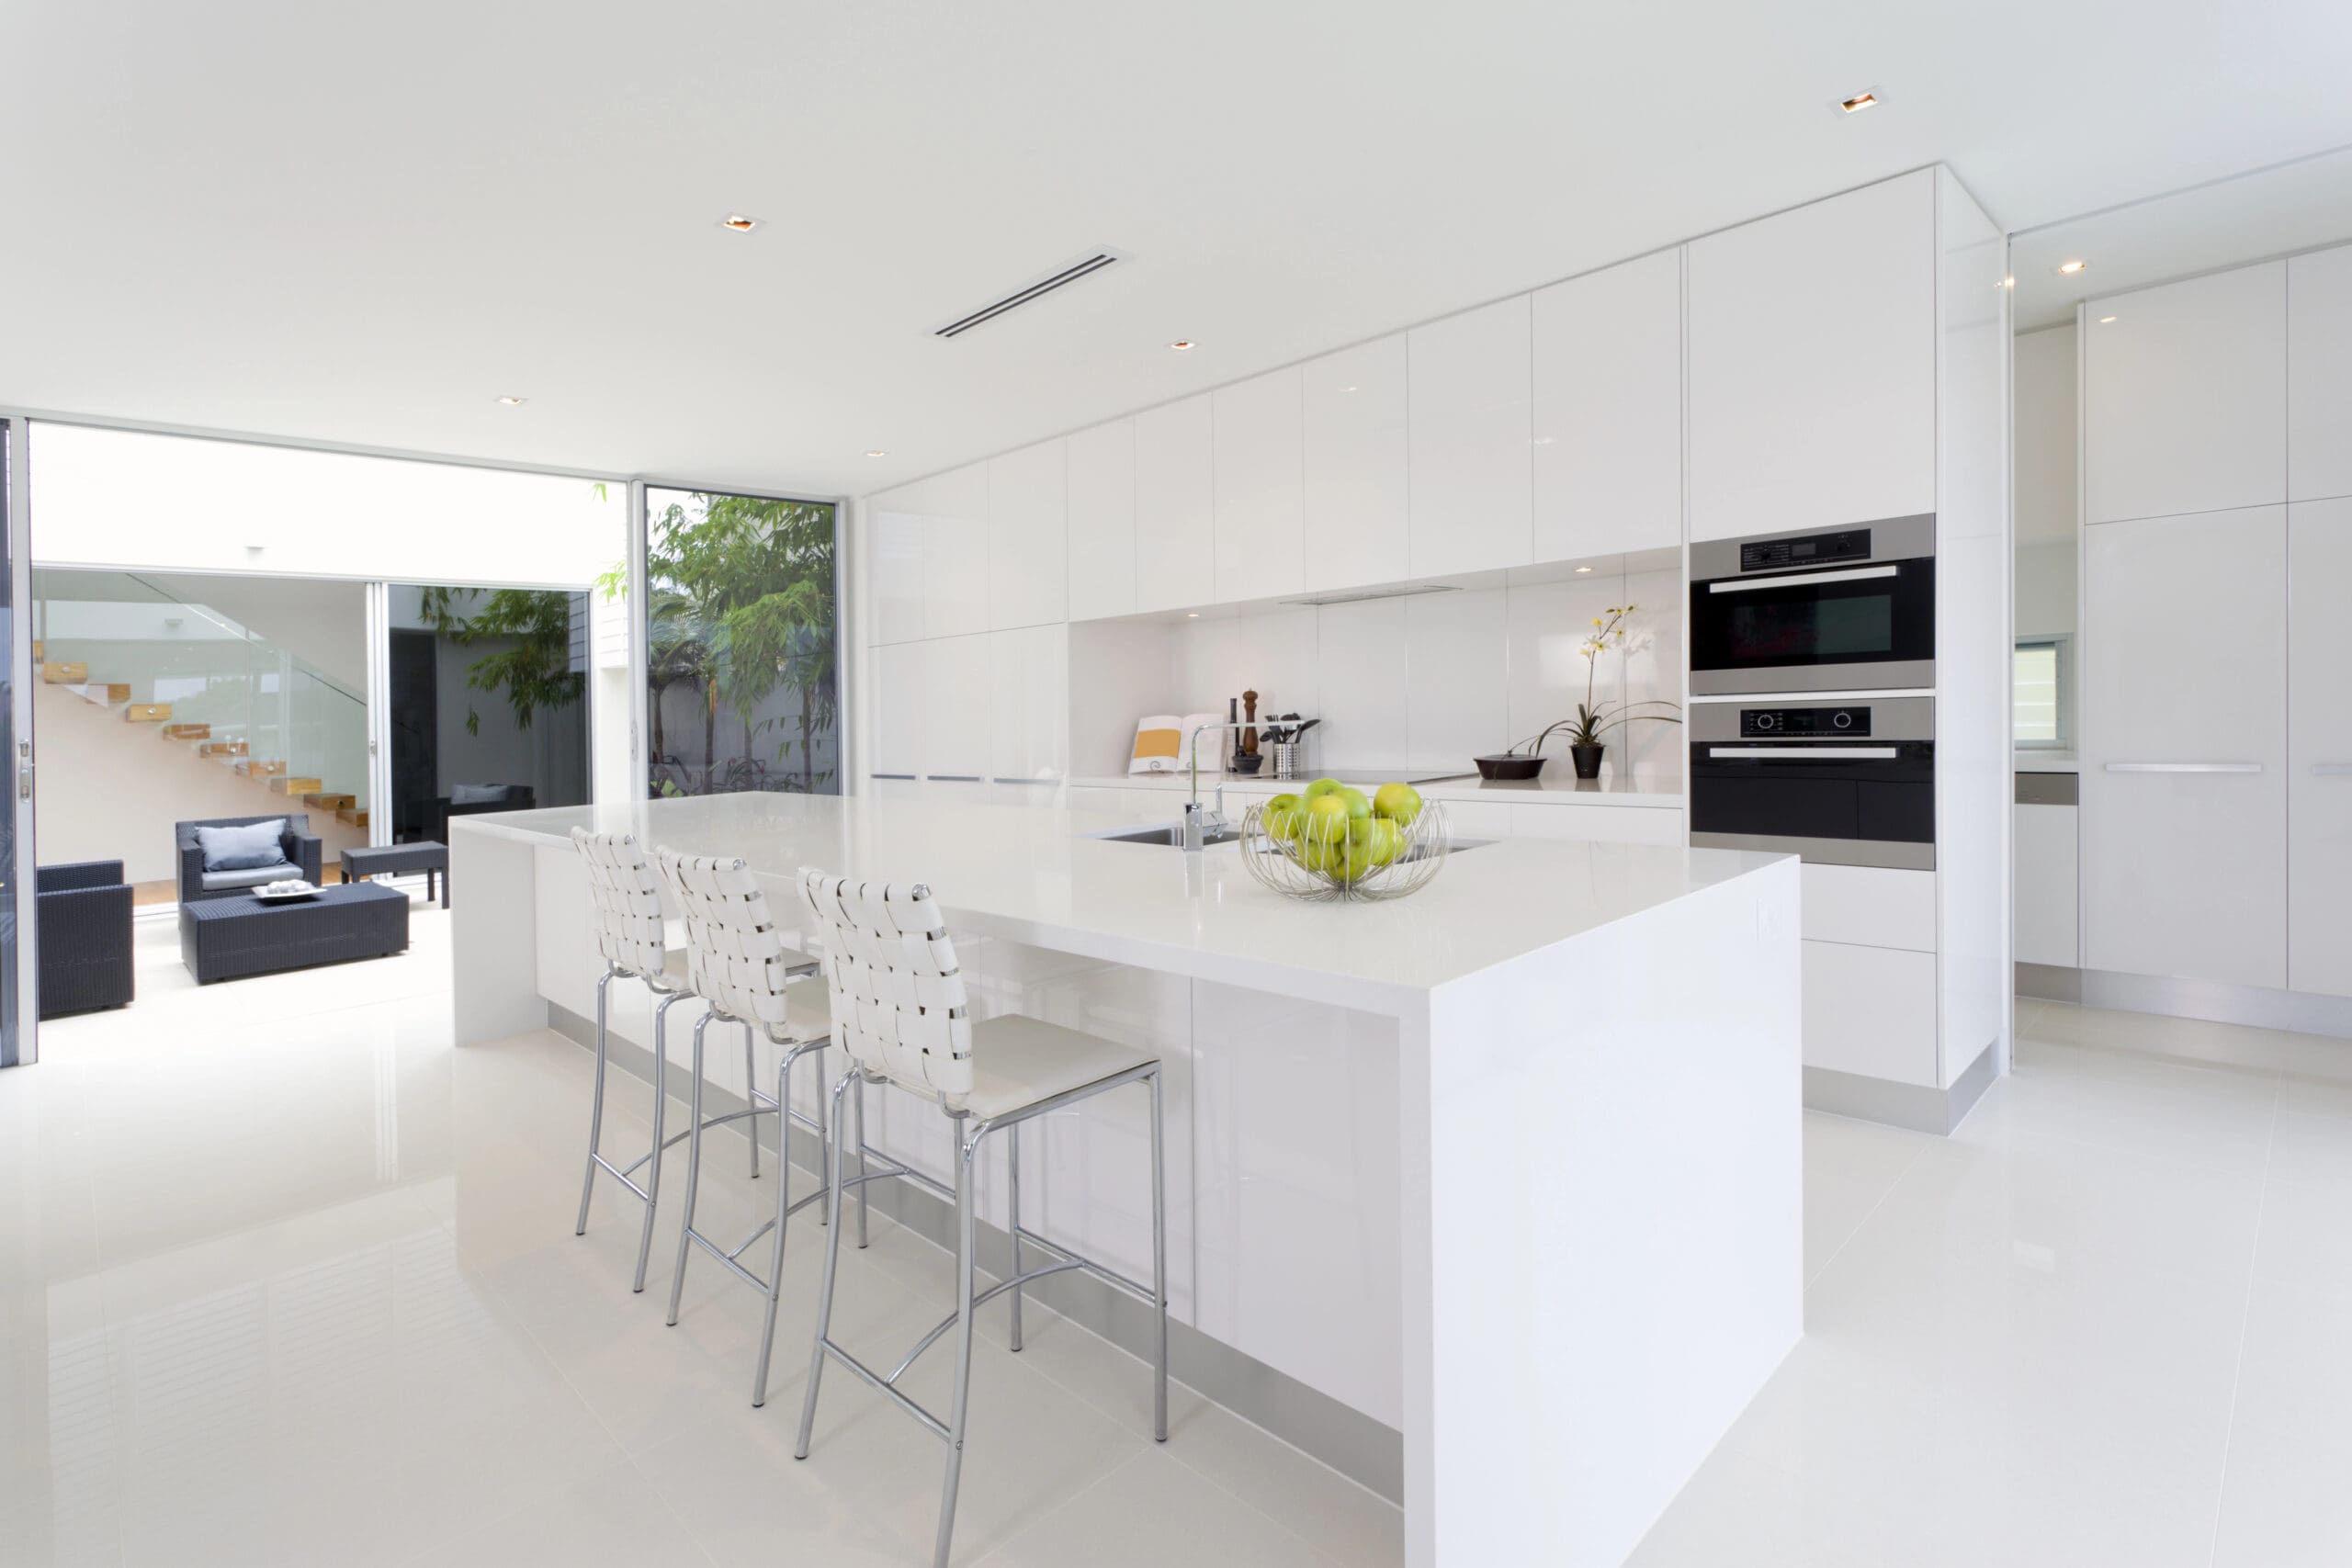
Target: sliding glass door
<point x="19" y="980"/>
<point x="742" y="638"/>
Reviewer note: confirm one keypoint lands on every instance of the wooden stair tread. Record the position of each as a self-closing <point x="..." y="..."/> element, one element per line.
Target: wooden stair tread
<point x="285" y="785"/>
<point x="118" y="690"/>
<point x="260" y="768"/>
<point x="65" y="674"/>
<point x="351" y="818"/>
<point x="187" y="732"/>
<point x="148" y="713"/>
<point x="222" y="748"/>
<point x="328" y="800"/>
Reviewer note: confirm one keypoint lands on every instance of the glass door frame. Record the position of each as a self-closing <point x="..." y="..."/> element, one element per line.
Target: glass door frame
<point x="20" y="1033"/>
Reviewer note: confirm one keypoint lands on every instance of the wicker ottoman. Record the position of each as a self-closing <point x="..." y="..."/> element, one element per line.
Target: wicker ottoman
<point x="223" y="939"/>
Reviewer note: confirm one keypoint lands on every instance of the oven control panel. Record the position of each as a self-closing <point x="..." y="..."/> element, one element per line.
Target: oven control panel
<point x="1803" y="724"/>
<point x="1814" y="549"/>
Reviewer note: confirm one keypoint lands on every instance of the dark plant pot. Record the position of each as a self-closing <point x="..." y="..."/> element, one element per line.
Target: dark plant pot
<point x="1508" y="767"/>
<point x="1587" y="759"/>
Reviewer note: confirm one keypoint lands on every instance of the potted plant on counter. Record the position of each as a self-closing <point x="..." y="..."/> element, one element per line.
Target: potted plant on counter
<point x="1594" y="719"/>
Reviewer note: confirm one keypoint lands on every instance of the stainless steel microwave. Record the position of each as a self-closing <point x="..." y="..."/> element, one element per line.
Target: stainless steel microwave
<point x="1828" y="610"/>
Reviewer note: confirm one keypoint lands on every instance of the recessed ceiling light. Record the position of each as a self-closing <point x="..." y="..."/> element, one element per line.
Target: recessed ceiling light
<point x="510" y="401"/>
<point x="1583" y="569"/>
<point x="2104" y="319"/>
<point x="1182" y="342"/>
<point x="1191" y="615"/>
<point x="877" y="452"/>
<point x="1857" y="102"/>
<point x="1347" y="389"/>
<point x="739" y="223"/>
<point x="2070" y="267"/>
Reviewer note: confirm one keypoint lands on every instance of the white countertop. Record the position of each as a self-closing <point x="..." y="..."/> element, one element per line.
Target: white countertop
<point x="1029" y="874"/>
<point x="2045" y="762"/>
<point x="1636" y="790"/>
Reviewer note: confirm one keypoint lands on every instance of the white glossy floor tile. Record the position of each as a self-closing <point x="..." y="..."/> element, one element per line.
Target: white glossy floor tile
<point x="284" y="1278"/>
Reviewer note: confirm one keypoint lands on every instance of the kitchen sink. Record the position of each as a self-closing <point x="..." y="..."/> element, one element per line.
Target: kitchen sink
<point x="1170" y="835"/>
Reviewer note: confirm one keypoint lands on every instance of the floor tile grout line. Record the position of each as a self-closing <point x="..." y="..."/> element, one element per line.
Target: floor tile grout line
<point x="1918" y="1154"/>
<point x="2245" y="1328"/>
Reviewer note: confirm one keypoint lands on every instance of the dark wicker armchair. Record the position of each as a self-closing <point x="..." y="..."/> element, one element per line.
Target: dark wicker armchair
<point x="83" y="914"/>
<point x="303" y="855"/>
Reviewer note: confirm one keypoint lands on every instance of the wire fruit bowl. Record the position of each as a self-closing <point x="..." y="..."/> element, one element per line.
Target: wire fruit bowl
<point x="1368" y="858"/>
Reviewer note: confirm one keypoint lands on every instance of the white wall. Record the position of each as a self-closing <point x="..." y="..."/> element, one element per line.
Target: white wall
<point x="1419" y="683"/>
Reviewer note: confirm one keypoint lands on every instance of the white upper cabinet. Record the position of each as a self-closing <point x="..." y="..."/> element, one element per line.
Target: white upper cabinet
<point x="1469" y="479"/>
<point x="957" y="742"/>
<point x="1812" y="353"/>
<point x="1175" y="507"/>
<point x="2319" y="375"/>
<point x="2319" y="755"/>
<point x="955" y="552"/>
<point x="895" y="530"/>
<point x="1028" y="537"/>
<point x="1608" y="469"/>
<point x="1259" y="469"/>
<point x="2184" y="753"/>
<point x="2185" y="396"/>
<point x="1356" y="504"/>
<point x="1103" y="521"/>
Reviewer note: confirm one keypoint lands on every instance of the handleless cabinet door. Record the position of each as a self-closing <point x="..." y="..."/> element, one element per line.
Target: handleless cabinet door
<point x="1103" y="521"/>
<point x="1813" y="364"/>
<point x="1609" y="410"/>
<point x="896" y="529"/>
<point x="2042" y="840"/>
<point x="1259" y="467"/>
<point x="898" y="710"/>
<point x="2319" y="375"/>
<point x="1029" y="706"/>
<point x="955" y="737"/>
<point x="2184" y="791"/>
<point x="2319" y="751"/>
<point x="2185" y="396"/>
<point x="955" y="552"/>
<point x="1470" y="400"/>
<point x="1356" y="502"/>
<point x="1175" y="507"/>
<point x="1028" y="537"/>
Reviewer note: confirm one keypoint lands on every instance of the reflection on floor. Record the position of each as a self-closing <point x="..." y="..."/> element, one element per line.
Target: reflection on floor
<point x="285" y="1279"/>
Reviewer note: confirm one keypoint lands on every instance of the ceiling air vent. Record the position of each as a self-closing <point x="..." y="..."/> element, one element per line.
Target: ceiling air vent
<point x="1036" y="288"/>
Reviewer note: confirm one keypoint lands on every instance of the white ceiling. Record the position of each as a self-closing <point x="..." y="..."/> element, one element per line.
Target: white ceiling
<point x="359" y="225"/>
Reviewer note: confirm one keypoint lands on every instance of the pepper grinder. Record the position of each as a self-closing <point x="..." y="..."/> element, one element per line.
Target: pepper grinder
<point x="1249" y="716"/>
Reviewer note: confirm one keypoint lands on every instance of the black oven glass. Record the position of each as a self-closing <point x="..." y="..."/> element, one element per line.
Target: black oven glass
<point x="1874" y="620"/>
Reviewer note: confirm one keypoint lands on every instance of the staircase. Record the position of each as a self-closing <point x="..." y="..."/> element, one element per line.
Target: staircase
<point x="215" y="689"/>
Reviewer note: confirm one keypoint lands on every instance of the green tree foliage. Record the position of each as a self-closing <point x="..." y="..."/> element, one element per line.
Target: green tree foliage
<point x="535" y="668"/>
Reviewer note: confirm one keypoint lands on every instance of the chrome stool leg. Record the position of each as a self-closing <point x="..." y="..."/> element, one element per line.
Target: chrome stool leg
<point x="864" y="1187"/>
<point x="752" y="1097"/>
<point x="1012" y="1189"/>
<point x="965" y="1148"/>
<point x="694" y="1170"/>
<point x="833" y="1262"/>
<point x="595" y="1104"/>
<point x="652" y="1191"/>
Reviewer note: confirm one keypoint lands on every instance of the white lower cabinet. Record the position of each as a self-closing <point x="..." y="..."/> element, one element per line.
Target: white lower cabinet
<point x="1598" y="824"/>
<point x="1871" y="1011"/>
<point x="2043" y="840"/>
<point x="955" y="708"/>
<point x="898" y="708"/>
<point x="1029" y="707"/>
<point x="1870" y="907"/>
<point x="2319" y="758"/>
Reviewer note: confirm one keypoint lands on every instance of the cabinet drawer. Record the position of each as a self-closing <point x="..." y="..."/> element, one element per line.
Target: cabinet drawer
<point x="1871" y="1010"/>
<point x="1478" y="819"/>
<point x="1868" y="907"/>
<point x="1599" y="824"/>
<point x="2044" y="885"/>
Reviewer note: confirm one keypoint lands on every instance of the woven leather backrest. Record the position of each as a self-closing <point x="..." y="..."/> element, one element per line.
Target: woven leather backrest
<point x="739" y="962"/>
<point x="898" y="997"/>
<point x="625" y="901"/>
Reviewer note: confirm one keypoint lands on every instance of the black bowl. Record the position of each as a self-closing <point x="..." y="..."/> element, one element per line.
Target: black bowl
<point x="1508" y="767"/>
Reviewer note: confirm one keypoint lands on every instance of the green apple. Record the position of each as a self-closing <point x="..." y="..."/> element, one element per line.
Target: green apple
<point x="1321" y="788"/>
<point x="1282" y="816"/>
<point x="1387" y="840"/>
<point x="1362" y="854"/>
<point x="1398" y="802"/>
<point x="1359" y="804"/>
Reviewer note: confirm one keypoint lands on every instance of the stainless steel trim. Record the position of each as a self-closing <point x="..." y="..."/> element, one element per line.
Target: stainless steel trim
<point x="1747" y="584"/>
<point x="1804" y="752"/>
<point x="1892" y="674"/>
<point x="890" y="775"/>
<point x="2333" y="770"/>
<point x="1892" y="539"/>
<point x="954" y="778"/>
<point x="2048" y="789"/>
<point x="1885" y="853"/>
<point x="1892" y="718"/>
<point x="2184" y="767"/>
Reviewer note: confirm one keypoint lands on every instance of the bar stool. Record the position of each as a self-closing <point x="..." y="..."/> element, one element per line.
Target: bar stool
<point x="740" y="964"/>
<point x="625" y="907"/>
<point x="900" y="1012"/>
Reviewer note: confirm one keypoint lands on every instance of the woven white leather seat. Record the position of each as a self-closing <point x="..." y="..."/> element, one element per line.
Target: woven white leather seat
<point x="901" y="1012"/>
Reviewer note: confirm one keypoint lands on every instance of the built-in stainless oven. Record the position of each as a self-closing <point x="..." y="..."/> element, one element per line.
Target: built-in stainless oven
<point x="1848" y="783"/>
<point x="1845" y="609"/>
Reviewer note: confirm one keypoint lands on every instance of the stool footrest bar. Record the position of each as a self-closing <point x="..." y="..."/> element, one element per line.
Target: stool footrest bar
<point x="933" y="1424"/>
<point x="1141" y="1291"/>
<point x="980" y="1300"/>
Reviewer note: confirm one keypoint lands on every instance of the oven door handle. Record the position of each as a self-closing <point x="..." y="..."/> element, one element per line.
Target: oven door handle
<point x="1803" y="579"/>
<point x="1803" y="753"/>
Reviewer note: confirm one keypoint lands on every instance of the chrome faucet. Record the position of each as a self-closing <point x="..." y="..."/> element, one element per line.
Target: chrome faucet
<point x="1200" y="824"/>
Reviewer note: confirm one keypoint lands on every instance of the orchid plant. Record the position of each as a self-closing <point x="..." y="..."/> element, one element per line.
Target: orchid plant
<point x="1595" y="719"/>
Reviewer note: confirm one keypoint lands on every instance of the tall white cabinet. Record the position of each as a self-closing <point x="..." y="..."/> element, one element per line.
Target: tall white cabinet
<point x="2319" y="748"/>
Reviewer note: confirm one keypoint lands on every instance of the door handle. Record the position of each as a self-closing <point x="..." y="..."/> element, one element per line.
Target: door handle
<point x="24" y="770"/>
<point x="1803" y="753"/>
<point x="2184" y="767"/>
<point x="1854" y="574"/>
<point x="2332" y="770"/>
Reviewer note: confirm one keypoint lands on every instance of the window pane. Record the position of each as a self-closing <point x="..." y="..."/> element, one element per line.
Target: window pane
<point x="740" y="644"/>
<point x="2036" y="692"/>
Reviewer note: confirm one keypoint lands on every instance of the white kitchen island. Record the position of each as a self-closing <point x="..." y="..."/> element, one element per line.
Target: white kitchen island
<point x="1510" y="1167"/>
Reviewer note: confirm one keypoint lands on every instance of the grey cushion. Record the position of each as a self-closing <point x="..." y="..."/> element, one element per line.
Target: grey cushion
<point x="250" y="876"/>
<point x="477" y="794"/>
<point x="243" y="848"/>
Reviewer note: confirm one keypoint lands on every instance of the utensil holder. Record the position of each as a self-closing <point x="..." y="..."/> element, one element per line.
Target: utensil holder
<point x="1285" y="765"/>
